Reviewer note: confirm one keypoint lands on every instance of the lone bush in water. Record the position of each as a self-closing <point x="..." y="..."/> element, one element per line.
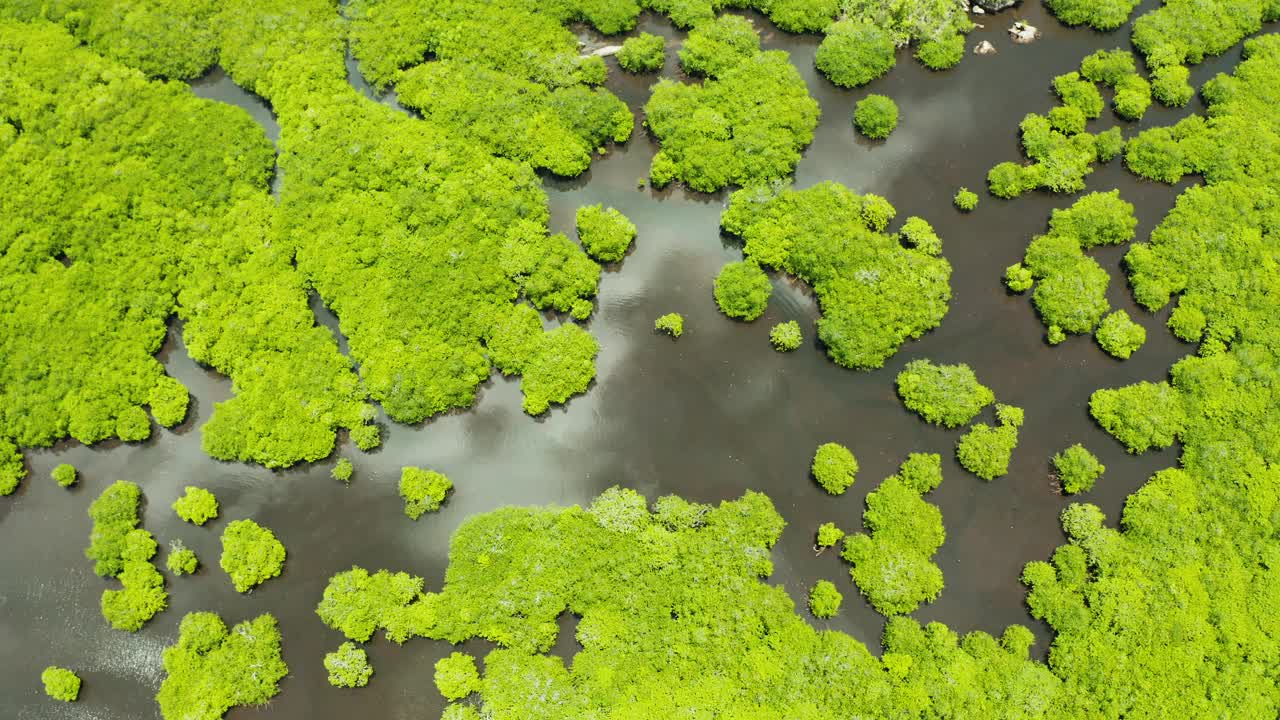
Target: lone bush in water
<point x="64" y="475"/>
<point x="985" y="451"/>
<point x="742" y="290"/>
<point x="348" y="666"/>
<point x="456" y="676"/>
<point x="966" y="200"/>
<point x="211" y="670"/>
<point x="824" y="599"/>
<point x="1119" y="335"/>
<point x="855" y="52"/>
<point x="1077" y="469"/>
<point x="181" y="560"/>
<point x="828" y="535"/>
<point x="423" y="491"/>
<point x="947" y="395"/>
<point x="834" y="467"/>
<point x="786" y="336"/>
<point x="60" y="683"/>
<point x="671" y="324"/>
<point x="342" y="471"/>
<point x="197" y="505"/>
<point x="251" y="554"/>
<point x="606" y="234"/>
<point x="645" y="52"/>
<point x="876" y="116"/>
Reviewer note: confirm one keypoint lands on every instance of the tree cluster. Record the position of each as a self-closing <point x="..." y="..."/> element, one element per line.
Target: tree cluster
<point x="251" y="554"/>
<point x="197" y="505"/>
<point x="423" y="491"/>
<point x="212" y="669"/>
<point x="874" y="293"/>
<point x="985" y="451"/>
<point x="946" y="395"/>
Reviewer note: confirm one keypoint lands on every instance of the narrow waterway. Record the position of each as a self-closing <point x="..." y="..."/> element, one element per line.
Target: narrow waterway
<point x="709" y="416"/>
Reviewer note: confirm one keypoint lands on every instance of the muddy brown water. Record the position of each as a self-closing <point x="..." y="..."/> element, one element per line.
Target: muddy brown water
<point x="707" y="417"/>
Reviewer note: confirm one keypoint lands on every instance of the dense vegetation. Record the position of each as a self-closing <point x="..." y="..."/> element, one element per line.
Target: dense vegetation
<point x="1071" y="287"/>
<point x="251" y="554"/>
<point x="212" y="669"/>
<point x="60" y="683"/>
<point x="1077" y="469"/>
<point x="64" y="475"/>
<point x="342" y="471"/>
<point x="875" y="116"/>
<point x="1119" y="335"/>
<point x="744" y="125"/>
<point x="985" y="451"/>
<point x="645" y="52"/>
<point x="605" y="233"/>
<point x="456" y="676"/>
<point x="348" y="666"/>
<point x="861" y="45"/>
<point x="786" y="336"/>
<point x="197" y="505"/>
<point x="181" y="560"/>
<point x="824" y="599"/>
<point x="671" y="324"/>
<point x="123" y="551"/>
<point x="742" y="290"/>
<point x="673" y="620"/>
<point x="892" y="563"/>
<point x="423" y="491"/>
<point x="834" y="467"/>
<point x="874" y="293"/>
<point x="947" y="395"/>
<point x="1098" y="14"/>
<point x="828" y="535"/>
<point x="965" y="200"/>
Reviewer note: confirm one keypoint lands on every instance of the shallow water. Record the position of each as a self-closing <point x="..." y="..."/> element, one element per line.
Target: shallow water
<point x="708" y="417"/>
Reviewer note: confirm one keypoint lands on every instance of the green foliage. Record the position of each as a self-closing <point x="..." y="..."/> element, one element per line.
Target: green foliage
<point x="876" y="116"/>
<point x="984" y="450"/>
<point x="181" y="559"/>
<point x="423" y="491"/>
<point x="874" y="293"/>
<point x="786" y="336"/>
<point x="917" y="233"/>
<point x="715" y="47"/>
<point x="1142" y="416"/>
<point x="744" y="126"/>
<point x="142" y="594"/>
<point x="1108" y="67"/>
<point x="342" y="471"/>
<point x="824" y="599"/>
<point x="197" y="505"/>
<point x="658" y="639"/>
<point x="671" y="324"/>
<point x="829" y="535"/>
<point x="60" y="683"/>
<point x="251" y="554"/>
<point x="64" y="475"/>
<point x="554" y="365"/>
<point x="965" y="200"/>
<point x="645" y="52"/>
<point x="348" y="666"/>
<point x="1119" y="335"/>
<point x="114" y="514"/>
<point x="1188" y="31"/>
<point x="1098" y="14"/>
<point x="1018" y="278"/>
<point x="12" y="469"/>
<point x="211" y="670"/>
<point x="855" y="52"/>
<point x="834" y="467"/>
<point x="942" y="53"/>
<point x="742" y="290"/>
<point x="1077" y="469"/>
<point x="1067" y="119"/>
<point x="1080" y="94"/>
<point x="1171" y="87"/>
<point x="456" y="676"/>
<point x="1071" y="287"/>
<point x="947" y="395"/>
<point x="1133" y="97"/>
<point x="606" y="234"/>
<point x="356" y="604"/>
<point x="891" y="564"/>
<point x="1109" y="144"/>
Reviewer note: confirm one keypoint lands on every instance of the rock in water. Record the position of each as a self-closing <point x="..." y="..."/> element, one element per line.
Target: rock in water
<point x="1023" y="33"/>
<point x="984" y="48"/>
<point x="995" y="5"/>
<point x="606" y="51"/>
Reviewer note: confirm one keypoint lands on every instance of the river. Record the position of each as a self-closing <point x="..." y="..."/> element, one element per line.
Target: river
<point x="707" y="417"/>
